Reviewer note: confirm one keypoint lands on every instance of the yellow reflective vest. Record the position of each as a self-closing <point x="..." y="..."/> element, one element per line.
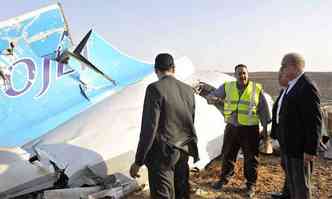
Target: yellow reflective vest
<point x="245" y="105"/>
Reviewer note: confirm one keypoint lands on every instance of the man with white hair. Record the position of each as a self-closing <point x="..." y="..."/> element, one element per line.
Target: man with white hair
<point x="299" y="123"/>
<point x="283" y="82"/>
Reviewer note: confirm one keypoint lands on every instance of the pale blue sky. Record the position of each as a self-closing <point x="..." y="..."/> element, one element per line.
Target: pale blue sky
<point x="214" y="34"/>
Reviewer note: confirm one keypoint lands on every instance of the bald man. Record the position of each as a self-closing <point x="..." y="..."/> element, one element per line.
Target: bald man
<point x="299" y="123"/>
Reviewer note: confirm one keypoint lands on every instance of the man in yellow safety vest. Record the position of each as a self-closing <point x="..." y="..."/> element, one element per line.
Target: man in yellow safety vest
<point x="244" y="106"/>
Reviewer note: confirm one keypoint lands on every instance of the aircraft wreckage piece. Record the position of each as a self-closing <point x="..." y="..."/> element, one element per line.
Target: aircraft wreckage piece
<point x="55" y="91"/>
<point x="71" y="193"/>
<point x="121" y="187"/>
<point x="20" y="174"/>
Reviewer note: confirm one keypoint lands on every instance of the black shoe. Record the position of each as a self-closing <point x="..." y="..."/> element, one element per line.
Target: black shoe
<point x="218" y="185"/>
<point x="250" y="191"/>
<point x="280" y="195"/>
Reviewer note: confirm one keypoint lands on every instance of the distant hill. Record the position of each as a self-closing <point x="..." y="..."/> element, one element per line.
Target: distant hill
<point x="270" y="82"/>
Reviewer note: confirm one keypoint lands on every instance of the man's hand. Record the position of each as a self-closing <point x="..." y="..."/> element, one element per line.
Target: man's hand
<point x="203" y="89"/>
<point x="307" y="158"/>
<point x="197" y="88"/>
<point x="212" y="99"/>
<point x="134" y="169"/>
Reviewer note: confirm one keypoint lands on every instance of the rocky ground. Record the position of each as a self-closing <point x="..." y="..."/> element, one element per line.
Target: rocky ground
<point x="270" y="179"/>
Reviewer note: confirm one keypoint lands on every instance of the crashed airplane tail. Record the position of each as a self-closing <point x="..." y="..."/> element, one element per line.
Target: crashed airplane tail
<point x="38" y="92"/>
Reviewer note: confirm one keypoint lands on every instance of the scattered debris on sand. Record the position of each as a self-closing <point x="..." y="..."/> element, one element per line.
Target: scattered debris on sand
<point x="270" y="179"/>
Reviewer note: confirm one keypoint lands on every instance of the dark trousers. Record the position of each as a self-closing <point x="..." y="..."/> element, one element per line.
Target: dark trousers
<point x="246" y="138"/>
<point x="298" y="175"/>
<point x="283" y="157"/>
<point x="169" y="182"/>
<point x="285" y="188"/>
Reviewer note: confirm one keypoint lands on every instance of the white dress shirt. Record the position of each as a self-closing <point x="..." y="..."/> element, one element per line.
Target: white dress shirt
<point x="289" y="87"/>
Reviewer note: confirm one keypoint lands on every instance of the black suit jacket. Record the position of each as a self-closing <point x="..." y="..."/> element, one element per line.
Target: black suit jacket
<point x="300" y="119"/>
<point x="168" y="117"/>
<point x="274" y="130"/>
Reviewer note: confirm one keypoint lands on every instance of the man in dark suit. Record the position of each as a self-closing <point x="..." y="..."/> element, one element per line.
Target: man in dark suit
<point x="299" y="121"/>
<point x="283" y="82"/>
<point x="168" y="134"/>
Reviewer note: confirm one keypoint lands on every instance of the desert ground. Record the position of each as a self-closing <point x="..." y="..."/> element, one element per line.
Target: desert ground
<point x="270" y="179"/>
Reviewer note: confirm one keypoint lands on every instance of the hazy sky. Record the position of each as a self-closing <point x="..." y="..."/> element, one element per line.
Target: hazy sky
<point x="216" y="34"/>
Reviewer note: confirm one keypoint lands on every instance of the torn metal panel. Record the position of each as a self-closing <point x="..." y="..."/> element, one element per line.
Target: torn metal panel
<point x="44" y="30"/>
<point x="34" y="39"/>
<point x="21" y="176"/>
<point x="71" y="193"/>
<point x="54" y="90"/>
<point x="123" y="186"/>
<point x="116" y="192"/>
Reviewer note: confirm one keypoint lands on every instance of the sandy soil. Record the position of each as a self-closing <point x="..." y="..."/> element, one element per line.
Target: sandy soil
<point x="270" y="179"/>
